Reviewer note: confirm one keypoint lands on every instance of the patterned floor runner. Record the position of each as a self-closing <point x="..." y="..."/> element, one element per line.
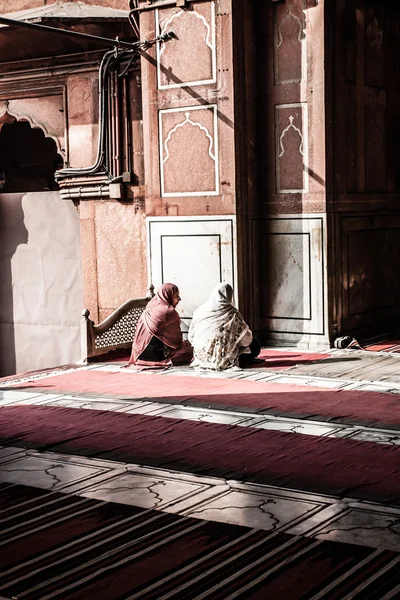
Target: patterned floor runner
<point x="58" y="546"/>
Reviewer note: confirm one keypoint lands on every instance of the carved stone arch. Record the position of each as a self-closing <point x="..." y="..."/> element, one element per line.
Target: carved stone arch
<point x="8" y="116"/>
<point x="29" y="156"/>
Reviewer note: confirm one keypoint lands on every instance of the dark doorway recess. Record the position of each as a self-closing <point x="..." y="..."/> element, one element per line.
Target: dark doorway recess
<point x="28" y="159"/>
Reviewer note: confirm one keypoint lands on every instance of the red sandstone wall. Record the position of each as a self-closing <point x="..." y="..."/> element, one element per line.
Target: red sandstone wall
<point x="189" y="112"/>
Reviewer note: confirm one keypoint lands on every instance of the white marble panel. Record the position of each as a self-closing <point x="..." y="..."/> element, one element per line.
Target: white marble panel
<point x="208" y="416"/>
<point x="152" y="488"/>
<point x="196" y="253"/>
<point x="293" y="426"/>
<point x="10" y="396"/>
<point x="292" y="297"/>
<point x="7" y="454"/>
<point x="377" y="436"/>
<point x="150" y="408"/>
<point x="261" y="507"/>
<point x="49" y="472"/>
<point x="34" y="399"/>
<point x="70" y="402"/>
<point x="365" y="525"/>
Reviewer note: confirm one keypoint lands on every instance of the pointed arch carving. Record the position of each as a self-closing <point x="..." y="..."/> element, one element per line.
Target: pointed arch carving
<point x="189" y="59"/>
<point x="10" y="116"/>
<point x="189" y="151"/>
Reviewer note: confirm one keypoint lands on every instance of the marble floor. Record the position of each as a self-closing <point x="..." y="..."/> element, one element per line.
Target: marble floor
<point x="214" y="499"/>
<point x="226" y="417"/>
<point x="258" y="506"/>
<point x="269" y="508"/>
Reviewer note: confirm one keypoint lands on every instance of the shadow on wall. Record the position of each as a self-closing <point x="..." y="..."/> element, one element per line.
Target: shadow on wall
<point x="41" y="287"/>
<point x="40" y="263"/>
<point x="12" y="233"/>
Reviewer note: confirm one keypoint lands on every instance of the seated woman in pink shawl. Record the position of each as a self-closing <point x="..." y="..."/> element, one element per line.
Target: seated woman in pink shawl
<point x="158" y="339"/>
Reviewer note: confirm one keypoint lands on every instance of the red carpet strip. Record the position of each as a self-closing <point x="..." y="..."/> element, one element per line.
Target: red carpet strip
<point x="341" y="467"/>
<point x="389" y="345"/>
<point x="273" y="359"/>
<point x="122" y="552"/>
<point x="274" y="398"/>
<point x="278" y="360"/>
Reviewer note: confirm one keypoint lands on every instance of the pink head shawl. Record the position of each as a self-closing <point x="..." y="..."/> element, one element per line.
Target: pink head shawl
<point x="159" y="319"/>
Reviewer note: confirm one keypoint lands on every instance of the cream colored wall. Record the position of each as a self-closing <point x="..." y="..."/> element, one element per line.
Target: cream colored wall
<point x="40" y="282"/>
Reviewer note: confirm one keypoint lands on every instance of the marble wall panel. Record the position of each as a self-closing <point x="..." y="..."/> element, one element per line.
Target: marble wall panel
<point x="195" y="253"/>
<point x="291" y="148"/>
<point x="370" y="264"/>
<point x="189" y="58"/>
<point x="289" y="254"/>
<point x="189" y="151"/>
<point x="289" y="37"/>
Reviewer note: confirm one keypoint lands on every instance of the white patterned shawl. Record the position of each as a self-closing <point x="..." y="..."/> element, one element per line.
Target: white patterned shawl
<point x="218" y="331"/>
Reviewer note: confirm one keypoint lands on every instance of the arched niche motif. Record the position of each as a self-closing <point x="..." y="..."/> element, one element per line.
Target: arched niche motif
<point x="28" y="157"/>
<point x="8" y="116"/>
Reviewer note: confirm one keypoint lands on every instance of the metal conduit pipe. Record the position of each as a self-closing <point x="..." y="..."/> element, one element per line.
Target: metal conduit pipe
<point x="81" y="193"/>
<point x="111" y="127"/>
<point x="110" y="60"/>
<point x="118" y="126"/>
<point x="68" y="32"/>
<point x="99" y="166"/>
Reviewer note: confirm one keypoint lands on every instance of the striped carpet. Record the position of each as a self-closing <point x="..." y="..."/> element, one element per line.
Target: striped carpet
<point x="340" y="467"/>
<point x="59" y="546"/>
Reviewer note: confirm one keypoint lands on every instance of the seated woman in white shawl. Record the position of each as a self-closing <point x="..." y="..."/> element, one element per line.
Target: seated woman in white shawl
<point x="219" y="334"/>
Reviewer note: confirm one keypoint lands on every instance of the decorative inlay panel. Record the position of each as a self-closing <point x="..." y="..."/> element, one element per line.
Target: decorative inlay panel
<point x="290" y="55"/>
<point x="291" y="148"/>
<point x="189" y="58"/>
<point x="188" y="151"/>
